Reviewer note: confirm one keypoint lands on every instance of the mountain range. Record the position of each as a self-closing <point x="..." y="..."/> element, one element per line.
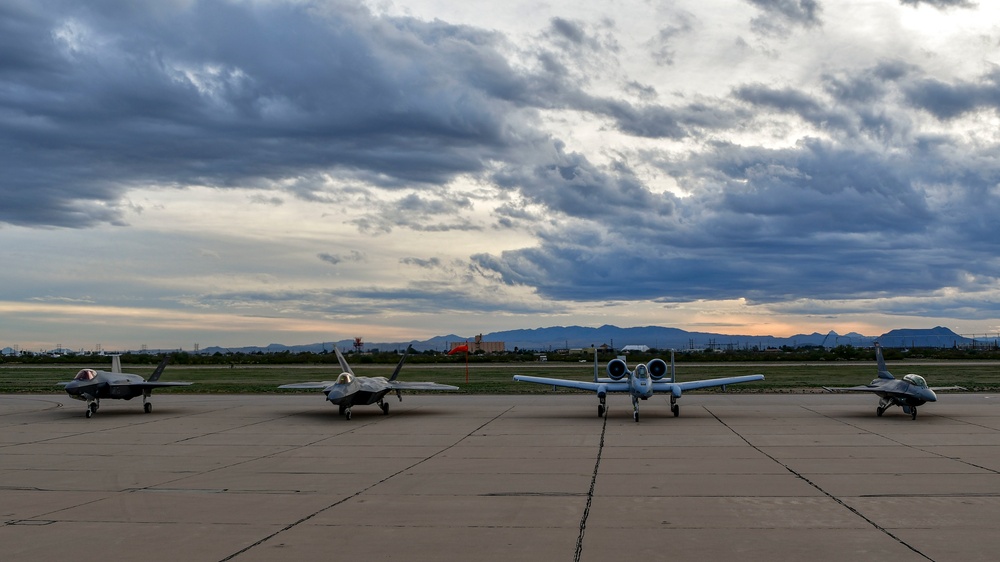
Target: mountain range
<point x="657" y="337"/>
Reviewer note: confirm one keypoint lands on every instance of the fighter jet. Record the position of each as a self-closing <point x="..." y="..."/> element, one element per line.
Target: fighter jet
<point x="91" y="385"/>
<point x="641" y="383"/>
<point x="350" y="390"/>
<point x="908" y="393"/>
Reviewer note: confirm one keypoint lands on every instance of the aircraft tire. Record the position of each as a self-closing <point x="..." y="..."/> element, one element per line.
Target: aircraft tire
<point x="635" y="416"/>
<point x="600" y="410"/>
<point x="147" y="407"/>
<point x="89" y="413"/>
<point x="879" y="411"/>
<point x="676" y="410"/>
<point x="347" y="414"/>
<point x="385" y="408"/>
<point x="913" y="411"/>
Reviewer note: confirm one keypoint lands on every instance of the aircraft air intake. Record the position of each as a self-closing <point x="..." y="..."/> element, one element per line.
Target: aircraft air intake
<point x="657" y="369"/>
<point x="617" y="369"/>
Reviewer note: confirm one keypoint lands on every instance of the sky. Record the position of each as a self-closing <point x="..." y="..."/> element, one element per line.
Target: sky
<point x="181" y="173"/>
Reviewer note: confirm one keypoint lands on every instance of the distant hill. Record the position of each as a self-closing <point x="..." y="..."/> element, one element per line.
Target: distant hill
<point x="934" y="337"/>
<point x="561" y="337"/>
<point x="656" y="337"/>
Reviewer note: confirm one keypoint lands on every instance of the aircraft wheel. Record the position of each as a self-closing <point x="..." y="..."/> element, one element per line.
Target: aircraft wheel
<point x="89" y="414"/>
<point x="385" y="408"/>
<point x="913" y="411"/>
<point x="341" y="409"/>
<point x="600" y="410"/>
<point x="635" y="415"/>
<point x="676" y="410"/>
<point x="347" y="414"/>
<point x="879" y="411"/>
<point x="147" y="407"/>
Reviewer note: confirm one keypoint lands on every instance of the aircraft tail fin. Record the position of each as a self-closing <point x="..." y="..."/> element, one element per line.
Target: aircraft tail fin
<point x="883" y="373"/>
<point x="159" y="369"/>
<point x="673" y="370"/>
<point x="399" y="366"/>
<point x="344" y="367"/>
<point x="116" y="363"/>
<point x="595" y="363"/>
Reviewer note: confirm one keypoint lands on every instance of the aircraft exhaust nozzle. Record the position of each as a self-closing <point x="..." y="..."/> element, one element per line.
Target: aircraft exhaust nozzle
<point x="657" y="369"/>
<point x="617" y="369"/>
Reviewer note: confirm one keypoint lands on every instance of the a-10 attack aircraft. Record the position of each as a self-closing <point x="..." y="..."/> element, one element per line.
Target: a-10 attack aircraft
<point x="351" y="390"/>
<point x="641" y="383"/>
<point x="908" y="393"/>
<point x="92" y="385"/>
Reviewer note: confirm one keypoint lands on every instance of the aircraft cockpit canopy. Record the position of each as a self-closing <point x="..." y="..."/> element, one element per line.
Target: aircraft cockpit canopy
<point x="916" y="380"/>
<point x="641" y="372"/>
<point x="85" y="375"/>
<point x="345" y="378"/>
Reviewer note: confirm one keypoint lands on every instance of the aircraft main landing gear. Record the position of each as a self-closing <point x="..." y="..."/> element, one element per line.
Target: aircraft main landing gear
<point x="883" y="405"/>
<point x="674" y="407"/>
<point x="601" y="408"/>
<point x="635" y="409"/>
<point x="92" y="408"/>
<point x="385" y="408"/>
<point x="913" y="412"/>
<point x="147" y="407"/>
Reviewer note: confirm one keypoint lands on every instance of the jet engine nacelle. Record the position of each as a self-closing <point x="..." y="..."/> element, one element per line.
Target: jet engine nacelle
<point x="657" y="369"/>
<point x="617" y="369"/>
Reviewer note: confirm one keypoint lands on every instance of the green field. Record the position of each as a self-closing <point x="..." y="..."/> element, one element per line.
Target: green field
<point x="497" y="378"/>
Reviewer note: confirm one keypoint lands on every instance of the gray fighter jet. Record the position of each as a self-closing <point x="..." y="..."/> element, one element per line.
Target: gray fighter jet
<point x="641" y="383"/>
<point x="351" y="390"/>
<point x="908" y="393"/>
<point x="91" y="385"/>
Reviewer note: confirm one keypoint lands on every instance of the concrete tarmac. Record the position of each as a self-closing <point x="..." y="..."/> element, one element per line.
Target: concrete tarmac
<point x="450" y="477"/>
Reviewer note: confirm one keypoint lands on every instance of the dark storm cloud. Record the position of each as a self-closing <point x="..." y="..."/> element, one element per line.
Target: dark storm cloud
<point x="878" y="209"/>
<point x="805" y="12"/>
<point x="779" y="15"/>
<point x="947" y="101"/>
<point x="98" y="97"/>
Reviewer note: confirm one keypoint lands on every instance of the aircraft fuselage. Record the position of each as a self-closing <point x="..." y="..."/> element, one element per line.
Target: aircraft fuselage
<point x="106" y="385"/>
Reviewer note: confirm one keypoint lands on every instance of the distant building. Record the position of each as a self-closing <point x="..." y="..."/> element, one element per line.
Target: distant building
<point x="639" y="348"/>
<point x="478" y="345"/>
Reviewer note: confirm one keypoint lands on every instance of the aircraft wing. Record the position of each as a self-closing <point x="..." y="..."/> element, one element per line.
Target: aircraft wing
<point x="707" y="383"/>
<point x="308" y="385"/>
<point x="937" y="388"/>
<point x="862" y="388"/>
<point x="157" y="384"/>
<point x="402" y="385"/>
<point x="580" y="385"/>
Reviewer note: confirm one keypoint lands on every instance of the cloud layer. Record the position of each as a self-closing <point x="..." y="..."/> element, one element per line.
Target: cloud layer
<point x="793" y="157"/>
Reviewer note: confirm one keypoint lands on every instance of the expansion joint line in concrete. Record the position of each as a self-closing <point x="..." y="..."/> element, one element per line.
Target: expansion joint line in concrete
<point x="819" y="488"/>
<point x="362" y="491"/>
<point x="590" y="494"/>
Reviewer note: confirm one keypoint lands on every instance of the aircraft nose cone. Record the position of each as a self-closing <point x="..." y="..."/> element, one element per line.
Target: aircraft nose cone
<point x="335" y="394"/>
<point x="930" y="396"/>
